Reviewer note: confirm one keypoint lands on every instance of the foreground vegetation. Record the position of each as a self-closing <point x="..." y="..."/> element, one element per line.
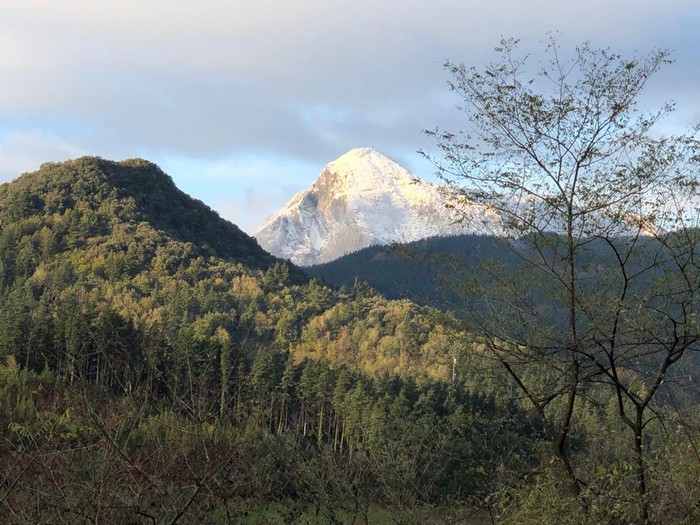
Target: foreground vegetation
<point x="75" y="454"/>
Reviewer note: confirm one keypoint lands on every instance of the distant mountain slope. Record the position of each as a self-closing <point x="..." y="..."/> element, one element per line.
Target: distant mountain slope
<point x="424" y="271"/>
<point x="360" y="199"/>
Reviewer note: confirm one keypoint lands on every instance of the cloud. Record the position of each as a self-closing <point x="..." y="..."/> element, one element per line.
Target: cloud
<point x="294" y="81"/>
<point x="215" y="76"/>
<point x="249" y="208"/>
<point x="19" y="151"/>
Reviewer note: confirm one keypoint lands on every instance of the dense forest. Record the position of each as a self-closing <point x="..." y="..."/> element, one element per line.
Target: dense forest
<point x="158" y="367"/>
<point x="441" y="272"/>
<point x="428" y="271"/>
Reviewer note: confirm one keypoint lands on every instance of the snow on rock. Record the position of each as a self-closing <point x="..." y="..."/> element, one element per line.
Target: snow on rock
<point x="364" y="198"/>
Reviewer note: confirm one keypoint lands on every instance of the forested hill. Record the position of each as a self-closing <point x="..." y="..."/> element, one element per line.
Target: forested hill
<point x="94" y="252"/>
<point x="91" y="197"/>
<point x="146" y="343"/>
<point x="428" y="271"/>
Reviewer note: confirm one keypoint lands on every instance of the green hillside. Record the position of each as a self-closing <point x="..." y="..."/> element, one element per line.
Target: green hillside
<point x="149" y="346"/>
<point x="92" y="198"/>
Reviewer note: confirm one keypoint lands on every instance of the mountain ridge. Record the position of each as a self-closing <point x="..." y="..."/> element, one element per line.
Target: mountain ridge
<point x="360" y="199"/>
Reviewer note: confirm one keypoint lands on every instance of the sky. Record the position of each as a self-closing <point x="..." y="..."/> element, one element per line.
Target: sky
<point x="244" y="102"/>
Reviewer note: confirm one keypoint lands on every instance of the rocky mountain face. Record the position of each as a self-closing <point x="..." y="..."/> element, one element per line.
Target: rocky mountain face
<point x="361" y="199"/>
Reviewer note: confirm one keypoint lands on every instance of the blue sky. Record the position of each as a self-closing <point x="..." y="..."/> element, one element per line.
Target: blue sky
<point x="244" y="102"/>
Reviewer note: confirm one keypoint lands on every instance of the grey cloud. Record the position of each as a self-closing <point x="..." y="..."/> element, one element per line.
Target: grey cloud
<point x="305" y="80"/>
<point x="20" y="150"/>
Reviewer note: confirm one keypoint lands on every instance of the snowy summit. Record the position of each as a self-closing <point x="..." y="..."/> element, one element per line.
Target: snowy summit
<point x="360" y="199"/>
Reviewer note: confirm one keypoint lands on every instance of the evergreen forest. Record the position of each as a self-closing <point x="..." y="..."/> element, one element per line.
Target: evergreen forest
<point x="158" y="367"/>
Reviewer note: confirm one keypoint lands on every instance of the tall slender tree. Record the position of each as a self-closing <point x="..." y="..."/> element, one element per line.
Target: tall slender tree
<point x="601" y="211"/>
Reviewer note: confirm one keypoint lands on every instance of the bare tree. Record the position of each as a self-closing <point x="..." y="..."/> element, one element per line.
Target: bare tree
<point x="600" y="213"/>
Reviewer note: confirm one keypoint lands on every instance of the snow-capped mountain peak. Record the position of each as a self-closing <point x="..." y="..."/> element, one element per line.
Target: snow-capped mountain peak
<point x="359" y="199"/>
<point x="362" y="166"/>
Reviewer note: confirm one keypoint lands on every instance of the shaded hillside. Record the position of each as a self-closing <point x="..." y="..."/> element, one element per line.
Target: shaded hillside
<point x="477" y="278"/>
<point x="427" y="271"/>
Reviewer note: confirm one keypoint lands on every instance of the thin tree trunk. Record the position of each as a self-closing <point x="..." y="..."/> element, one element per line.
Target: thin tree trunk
<point x="641" y="468"/>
